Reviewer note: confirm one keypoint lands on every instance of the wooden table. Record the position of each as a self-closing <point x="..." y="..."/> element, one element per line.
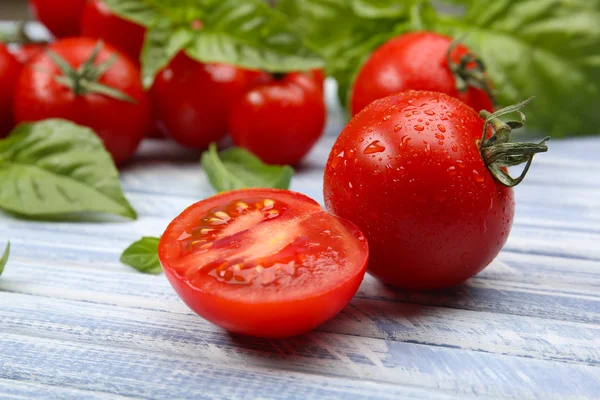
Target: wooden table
<point x="75" y="323"/>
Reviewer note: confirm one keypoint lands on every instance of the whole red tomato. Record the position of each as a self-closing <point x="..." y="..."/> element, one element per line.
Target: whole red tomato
<point x="98" y="21"/>
<point x="416" y="61"/>
<point x="263" y="262"/>
<point x="192" y="100"/>
<point x="281" y="119"/>
<point x="61" y="17"/>
<point x="407" y="170"/>
<point x="10" y="69"/>
<point x="120" y="120"/>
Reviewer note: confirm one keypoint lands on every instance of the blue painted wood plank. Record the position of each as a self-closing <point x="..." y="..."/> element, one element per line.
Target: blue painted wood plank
<point x="372" y="319"/>
<point x="168" y="374"/>
<point x="22" y="390"/>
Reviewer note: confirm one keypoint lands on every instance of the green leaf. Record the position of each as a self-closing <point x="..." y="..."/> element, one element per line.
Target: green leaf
<point x="547" y="48"/>
<point x="54" y="168"/>
<point x="4" y="258"/>
<point x="143" y="255"/>
<point x="246" y="33"/>
<point x="346" y="32"/>
<point x="237" y="168"/>
<point x="387" y="9"/>
<point x="161" y="45"/>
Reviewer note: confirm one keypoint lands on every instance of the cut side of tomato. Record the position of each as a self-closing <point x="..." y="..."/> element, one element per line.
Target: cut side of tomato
<point x="263" y="262"/>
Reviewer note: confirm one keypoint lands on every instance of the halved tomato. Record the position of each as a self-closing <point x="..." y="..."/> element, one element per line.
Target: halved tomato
<point x="263" y="262"/>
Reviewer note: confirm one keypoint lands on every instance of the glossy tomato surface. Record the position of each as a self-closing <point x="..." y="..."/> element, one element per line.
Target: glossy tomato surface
<point x="407" y="171"/>
<point x="120" y="124"/>
<point x="413" y="61"/>
<point x="280" y="120"/>
<point x="28" y="51"/>
<point x="263" y="262"/>
<point x="98" y="21"/>
<point x="192" y="100"/>
<point x="61" y="17"/>
<point x="10" y="69"/>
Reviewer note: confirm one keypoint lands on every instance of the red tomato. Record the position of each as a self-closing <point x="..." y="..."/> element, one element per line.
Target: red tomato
<point x="61" y="17"/>
<point x="413" y="61"/>
<point x="192" y="100"/>
<point x="26" y="52"/>
<point x="120" y="124"/>
<point x="98" y="21"/>
<point x="280" y="120"/>
<point x="263" y="262"/>
<point x="10" y="69"/>
<point x="408" y="172"/>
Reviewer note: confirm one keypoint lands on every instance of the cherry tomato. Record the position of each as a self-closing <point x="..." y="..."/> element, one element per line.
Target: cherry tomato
<point x="98" y="21"/>
<point x="61" y="17"/>
<point x="10" y="69"/>
<point x="408" y="172"/>
<point x="413" y="61"/>
<point x="280" y="120"/>
<point x="120" y="124"/>
<point x="192" y="100"/>
<point x="263" y="262"/>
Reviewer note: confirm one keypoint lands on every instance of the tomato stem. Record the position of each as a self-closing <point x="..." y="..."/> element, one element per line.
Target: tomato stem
<point x="85" y="79"/>
<point x="470" y="72"/>
<point x="498" y="152"/>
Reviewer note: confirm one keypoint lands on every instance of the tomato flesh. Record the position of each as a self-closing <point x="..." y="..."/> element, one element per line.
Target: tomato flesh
<point x="263" y="262"/>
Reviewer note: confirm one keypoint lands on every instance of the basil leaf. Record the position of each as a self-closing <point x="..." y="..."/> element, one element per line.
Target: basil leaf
<point x="346" y="32"/>
<point x="391" y="9"/>
<point x="246" y="33"/>
<point x="237" y="168"/>
<point x="4" y="258"/>
<point x="550" y="48"/>
<point x="143" y="255"/>
<point x="161" y="45"/>
<point x="54" y="168"/>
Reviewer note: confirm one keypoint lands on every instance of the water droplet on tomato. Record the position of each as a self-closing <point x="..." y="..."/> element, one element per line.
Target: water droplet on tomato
<point x="429" y="112"/>
<point x="478" y="178"/>
<point x="336" y="160"/>
<point x="350" y="185"/>
<point x="449" y="114"/>
<point x="427" y="148"/>
<point x="419" y="128"/>
<point x="374" y="147"/>
<point x="404" y="141"/>
<point x="370" y="130"/>
<point x="452" y="170"/>
<point x="442" y="128"/>
<point x="387" y="117"/>
<point x="460" y="163"/>
<point x="454" y="147"/>
<point x="397" y="128"/>
<point x="440" y="136"/>
<point x="416" y="112"/>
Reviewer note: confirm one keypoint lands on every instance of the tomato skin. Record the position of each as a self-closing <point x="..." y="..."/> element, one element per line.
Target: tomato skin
<point x="10" y="69"/>
<point x="99" y="22"/>
<point x="192" y="100"/>
<point x="286" y="309"/>
<point x="24" y="53"/>
<point x="407" y="171"/>
<point x="61" y="17"/>
<point x="121" y="125"/>
<point x="413" y="61"/>
<point x="280" y="120"/>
